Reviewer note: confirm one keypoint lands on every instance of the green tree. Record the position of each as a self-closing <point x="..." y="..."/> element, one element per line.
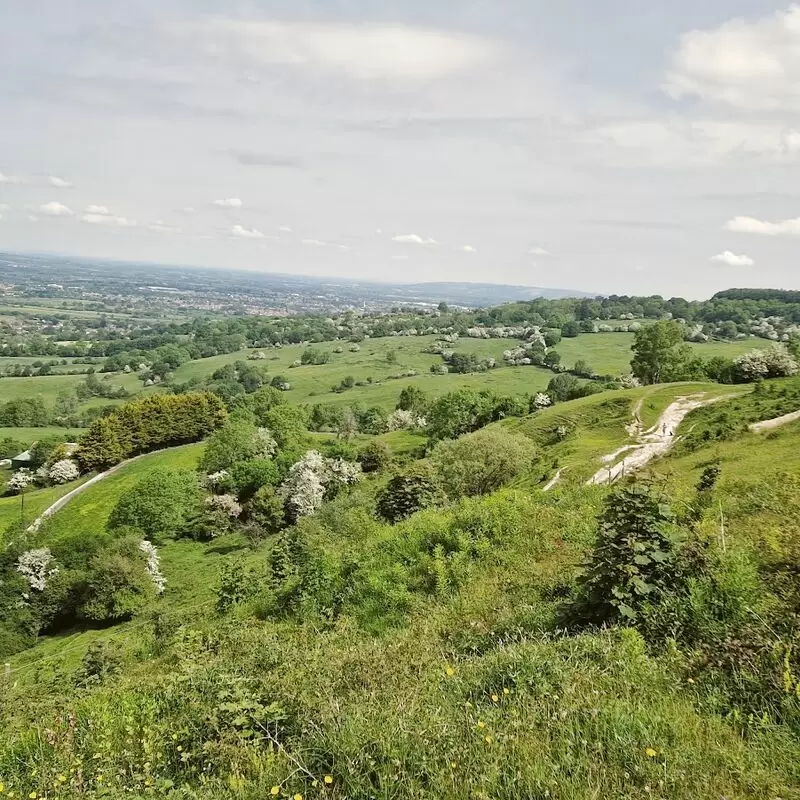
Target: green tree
<point x="235" y="441"/>
<point x="481" y="462"/>
<point x="659" y="352"/>
<point x="408" y="493"/>
<point x="288" y="425"/>
<point x="158" y="503"/>
<point x="412" y="398"/>
<point x="375" y="456"/>
<point x="118" y="584"/>
<point x="100" y="447"/>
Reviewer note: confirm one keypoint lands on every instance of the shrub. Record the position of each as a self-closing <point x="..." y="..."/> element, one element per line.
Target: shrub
<point x="375" y="456"/>
<point x="63" y="471"/>
<point x="119" y="583"/>
<point x="237" y="440"/>
<point x="158" y="504"/>
<point x="407" y="493"/>
<point x="634" y="557"/>
<point x="481" y="462"/>
<point x="772" y="362"/>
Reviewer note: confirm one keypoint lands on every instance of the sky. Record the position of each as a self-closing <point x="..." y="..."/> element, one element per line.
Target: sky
<point x="618" y="146"/>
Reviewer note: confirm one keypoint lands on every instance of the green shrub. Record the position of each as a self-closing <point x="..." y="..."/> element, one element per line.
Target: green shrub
<point x="408" y="493"/>
<point x="375" y="456"/>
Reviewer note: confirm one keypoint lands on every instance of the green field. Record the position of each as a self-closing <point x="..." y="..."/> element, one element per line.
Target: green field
<point x="47" y="387"/>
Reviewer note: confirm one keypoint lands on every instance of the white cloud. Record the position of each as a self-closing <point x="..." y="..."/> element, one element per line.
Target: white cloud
<point x="59" y="183"/>
<point x="108" y="219"/>
<point x="538" y="251"/>
<point x="315" y="243"/>
<point x="97" y="210"/>
<point x="358" y="51"/>
<point x="159" y="227"/>
<point x="246" y="233"/>
<point x="749" y="65"/>
<point x="188" y="210"/>
<point x="285" y="229"/>
<point x="403" y="257"/>
<point x="787" y="227"/>
<point x="4" y="206"/>
<point x="9" y="178"/>
<point x="413" y="238"/>
<point x="732" y="260"/>
<point x="55" y="209"/>
<point x="32" y="218"/>
<point x="468" y="248"/>
<point x="229" y="202"/>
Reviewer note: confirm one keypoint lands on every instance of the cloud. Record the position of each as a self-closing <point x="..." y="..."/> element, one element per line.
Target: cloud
<point x="59" y="183"/>
<point x="732" y="260"/>
<point x="538" y="251"/>
<point x="229" y="202"/>
<point x="55" y="209"/>
<point x="96" y="210"/>
<point x="748" y="65"/>
<point x="188" y="210"/>
<point x="246" y="233"/>
<point x="412" y="238"/>
<point x="159" y="227"/>
<point x="4" y="206"/>
<point x="9" y="178"/>
<point x="787" y="227"/>
<point x="251" y="159"/>
<point x="468" y="248"/>
<point x="285" y="229"/>
<point x="364" y="52"/>
<point x="103" y="217"/>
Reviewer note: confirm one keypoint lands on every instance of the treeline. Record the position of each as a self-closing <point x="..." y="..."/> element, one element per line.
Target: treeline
<point x="149" y="424"/>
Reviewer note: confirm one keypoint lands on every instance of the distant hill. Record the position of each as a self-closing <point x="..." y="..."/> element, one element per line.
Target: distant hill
<point x="483" y="294"/>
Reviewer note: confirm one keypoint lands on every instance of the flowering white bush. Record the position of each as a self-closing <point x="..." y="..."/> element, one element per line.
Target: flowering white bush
<point x="63" y="471"/>
<point x="311" y="478"/>
<point x="215" y="479"/>
<point x="542" y="400"/>
<point x="266" y="446"/>
<point x="20" y="480"/>
<point x="401" y="420"/>
<point x="37" y="567"/>
<point x="629" y="382"/>
<point x="153" y="565"/>
<point x="354" y="348"/>
<point x="226" y="503"/>
<point x="773" y="362"/>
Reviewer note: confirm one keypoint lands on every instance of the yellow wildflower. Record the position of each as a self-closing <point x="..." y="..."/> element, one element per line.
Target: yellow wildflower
<point x="2" y="788"/>
<point x="488" y="739"/>
<point x="452" y="765"/>
<point x="328" y="779"/>
<point x="298" y="796"/>
<point x="275" y="790"/>
<point x="506" y="691"/>
<point x="32" y="795"/>
<point x="174" y="737"/>
<point x="481" y="723"/>
<point x="450" y="672"/>
<point x="62" y="778"/>
<point x="650" y="752"/>
<point x="495" y="698"/>
<point x="690" y="680"/>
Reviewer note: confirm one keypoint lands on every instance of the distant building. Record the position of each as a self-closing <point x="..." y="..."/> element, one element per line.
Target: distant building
<point x="22" y="460"/>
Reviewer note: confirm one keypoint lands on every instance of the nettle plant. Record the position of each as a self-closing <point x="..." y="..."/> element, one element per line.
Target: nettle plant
<point x="635" y="557"/>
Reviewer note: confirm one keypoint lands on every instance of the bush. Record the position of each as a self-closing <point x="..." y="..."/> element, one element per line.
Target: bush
<point x="481" y="462"/>
<point x="237" y="440"/>
<point x="118" y="584"/>
<point x="375" y="456"/>
<point x="158" y="504"/>
<point x="634" y="557"/>
<point x="407" y="493"/>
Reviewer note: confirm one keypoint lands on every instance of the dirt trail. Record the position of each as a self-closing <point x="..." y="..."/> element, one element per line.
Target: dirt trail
<point x="772" y="424"/>
<point x="554" y="480"/>
<point x="650" y="444"/>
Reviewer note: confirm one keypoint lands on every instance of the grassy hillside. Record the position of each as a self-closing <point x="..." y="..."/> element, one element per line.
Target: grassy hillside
<point x="447" y="656"/>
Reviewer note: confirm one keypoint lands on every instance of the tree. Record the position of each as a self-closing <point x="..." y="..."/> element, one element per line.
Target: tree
<point x="552" y="359"/>
<point x="458" y="412"/>
<point x="266" y="514"/>
<point x="375" y="456"/>
<point x="412" y="398"/>
<point x="288" y="425"/>
<point x="100" y="447"/>
<point x="772" y="362"/>
<point x="235" y="441"/>
<point x="118" y="583"/>
<point x="481" y="462"/>
<point x="564" y="387"/>
<point x="158" y="504"/>
<point x="571" y="329"/>
<point x="659" y="352"/>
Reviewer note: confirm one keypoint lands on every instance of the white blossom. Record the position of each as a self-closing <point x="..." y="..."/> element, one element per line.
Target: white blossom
<point x="153" y="565"/>
<point x="401" y="420"/>
<point x="37" y="567"/>
<point x="266" y="446"/>
<point x="773" y="362"/>
<point x="20" y="480"/>
<point x="63" y="471"/>
<point x="226" y="503"/>
<point x="303" y="492"/>
<point x="213" y="480"/>
<point x="542" y="400"/>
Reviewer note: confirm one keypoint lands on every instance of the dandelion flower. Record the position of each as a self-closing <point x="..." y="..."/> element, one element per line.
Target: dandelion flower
<point x="174" y="737"/>
<point x="275" y="790"/>
<point x="488" y="739"/>
<point x="2" y="788"/>
<point x="62" y="778"/>
<point x="506" y="691"/>
<point x="452" y="765"/>
<point x="450" y="672"/>
<point x="495" y="698"/>
<point x="650" y="752"/>
<point x="690" y="680"/>
<point x="32" y="795"/>
<point x="328" y="779"/>
<point x="481" y="723"/>
<point x="298" y="796"/>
